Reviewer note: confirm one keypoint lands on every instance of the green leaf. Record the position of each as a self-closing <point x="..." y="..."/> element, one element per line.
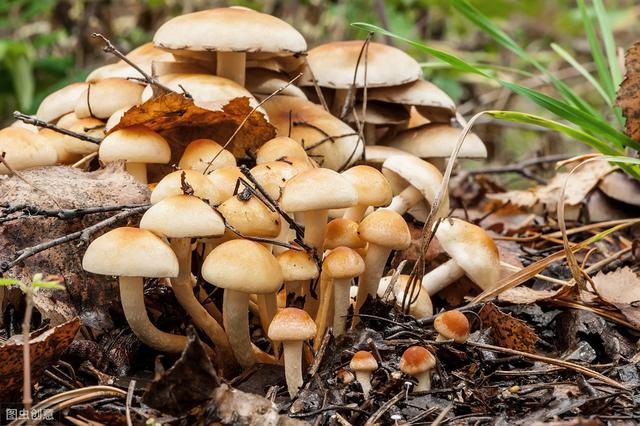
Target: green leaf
<point x="609" y="43"/>
<point x="8" y="281"/>
<point x="48" y="284"/>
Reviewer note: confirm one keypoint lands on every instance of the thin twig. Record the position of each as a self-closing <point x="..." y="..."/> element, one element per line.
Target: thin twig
<point x="383" y="409"/>
<point x="521" y="167"/>
<point x="40" y="123"/>
<point x="63" y="214"/>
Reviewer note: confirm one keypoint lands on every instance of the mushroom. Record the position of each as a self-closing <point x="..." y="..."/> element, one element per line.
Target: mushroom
<point x="225" y="179"/>
<point x="298" y="268"/>
<point x="376" y="119"/>
<point x="264" y="82"/>
<point x="205" y="155"/>
<point x="363" y="364"/>
<point x="131" y="254"/>
<point x="172" y="184"/>
<point x="343" y="232"/>
<point x="138" y="146"/>
<point x="472" y="252"/>
<point x="144" y="57"/>
<point x="25" y="149"/>
<point x="292" y="326"/>
<point x="60" y="102"/>
<point x="421" y="307"/>
<point x="241" y="267"/>
<point x="278" y="148"/>
<point x="418" y="362"/>
<point x="342" y="265"/>
<point x="452" y="324"/>
<point x="102" y="98"/>
<point x="373" y="190"/>
<point x="384" y="230"/>
<point x="181" y="218"/>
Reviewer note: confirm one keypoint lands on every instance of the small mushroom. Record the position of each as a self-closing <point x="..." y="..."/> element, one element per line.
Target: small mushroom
<point x="278" y="148"/>
<point x="298" y="268"/>
<point x="420" y="302"/>
<point x="343" y="232"/>
<point x="418" y="362"/>
<point x="452" y="324"/>
<point x="25" y="149"/>
<point x="205" y="154"/>
<point x="373" y="190"/>
<point x="292" y="326"/>
<point x="363" y="364"/>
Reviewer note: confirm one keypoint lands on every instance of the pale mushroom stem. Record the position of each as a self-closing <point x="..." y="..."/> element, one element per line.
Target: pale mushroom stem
<point x="138" y="171"/>
<point x="424" y="382"/>
<point x="322" y="317"/>
<point x="341" y="304"/>
<point x="406" y="199"/>
<point x="440" y="277"/>
<point x="315" y="224"/>
<point x="364" y="378"/>
<point x="267" y="307"/>
<point x="231" y="65"/>
<point x="293" y="365"/>
<point x="235" y="314"/>
<point x="132" y="297"/>
<point x="374" y="263"/>
<point x="339" y="99"/>
<point x="369" y="133"/>
<point x="356" y="213"/>
<point x="286" y="234"/>
<point x="183" y="291"/>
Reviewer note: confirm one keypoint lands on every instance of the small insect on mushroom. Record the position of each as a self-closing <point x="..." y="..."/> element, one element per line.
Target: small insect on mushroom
<point x="452" y="325"/>
<point x="363" y="364"/>
<point x="418" y="362"/>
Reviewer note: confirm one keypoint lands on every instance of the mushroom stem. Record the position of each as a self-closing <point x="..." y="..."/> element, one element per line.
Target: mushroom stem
<point x="440" y="277"/>
<point x="341" y="304"/>
<point x="370" y="133"/>
<point x="406" y="199"/>
<point x="293" y="365"/>
<point x="231" y="65"/>
<point x="235" y="316"/>
<point x="374" y="263"/>
<point x="315" y="223"/>
<point x="268" y="307"/>
<point x="132" y="298"/>
<point x="138" y="171"/>
<point x="364" y="378"/>
<point x="339" y="99"/>
<point x="183" y="291"/>
<point x="356" y="213"/>
<point x="322" y="317"/>
<point x="424" y="382"/>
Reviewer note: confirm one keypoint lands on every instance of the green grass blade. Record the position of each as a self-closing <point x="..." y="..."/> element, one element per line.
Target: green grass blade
<point x="8" y="281"/>
<point x="609" y="43"/>
<point x="578" y="66"/>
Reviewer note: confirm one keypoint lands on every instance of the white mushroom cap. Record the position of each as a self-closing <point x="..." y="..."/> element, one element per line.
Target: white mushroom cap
<point x="225" y="180"/>
<point x="136" y="144"/>
<point x="102" y="98"/>
<point x="297" y="265"/>
<point x="25" y="149"/>
<point x="437" y="141"/>
<point x="183" y="216"/>
<point x="420" y="308"/>
<point x="130" y="252"/>
<point x="318" y="189"/>
<point x="373" y="188"/>
<point x="171" y="184"/>
<point x="251" y="218"/>
<point x="60" y="102"/>
<point x="273" y="176"/>
<point x="199" y="153"/>
<point x="472" y="249"/>
<point x="279" y="147"/>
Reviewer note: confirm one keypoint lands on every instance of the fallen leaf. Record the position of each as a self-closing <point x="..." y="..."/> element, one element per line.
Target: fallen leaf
<point x="525" y="295"/>
<point x="621" y="288"/>
<point x="627" y="97"/>
<point x="178" y="118"/>
<point x="45" y="350"/>
<point x="507" y="331"/>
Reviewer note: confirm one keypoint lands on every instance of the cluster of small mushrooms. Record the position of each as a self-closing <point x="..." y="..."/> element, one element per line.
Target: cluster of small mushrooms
<point x="314" y="181"/>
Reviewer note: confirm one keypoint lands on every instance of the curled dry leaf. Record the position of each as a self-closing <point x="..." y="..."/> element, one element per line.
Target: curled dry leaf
<point x="621" y="288"/>
<point x="525" y="295"/>
<point x="45" y="350"/>
<point x="627" y="97"/>
<point x="507" y="331"/>
<point x="180" y="120"/>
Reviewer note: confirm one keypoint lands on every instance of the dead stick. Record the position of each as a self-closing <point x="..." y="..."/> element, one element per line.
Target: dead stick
<point x="40" y="123"/>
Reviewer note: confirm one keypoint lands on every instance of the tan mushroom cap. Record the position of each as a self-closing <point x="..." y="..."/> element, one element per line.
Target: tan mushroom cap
<point x="452" y="324"/>
<point x="199" y="153"/>
<point x="68" y="120"/>
<point x="244" y="266"/>
<point x="251" y="218"/>
<point x="230" y="29"/>
<point x="292" y="324"/>
<point x="420" y="308"/>
<point x="363" y="361"/>
<point x="102" y="98"/>
<point x="25" y="149"/>
<point x="60" y="102"/>
<point x="171" y="184"/>
<point x="69" y="149"/>
<point x="208" y="91"/>
<point x="264" y="82"/>
<point x="343" y="150"/>
<point x="404" y="170"/>
<point x="225" y="180"/>
<point x="297" y="265"/>
<point x="273" y="176"/>
<point x="385" y="228"/>
<point x="318" y="189"/>
<point x="334" y="65"/>
<point x="622" y="187"/>
<point x="430" y="101"/>
<point x="417" y="360"/>
<point x="437" y="141"/>
<point x="183" y="216"/>
<point x="377" y="154"/>
<point x="136" y="144"/>
<point x="115" y="118"/>
<point x="472" y="249"/>
<point x="343" y="232"/>
<point x="373" y="188"/>
<point x="343" y="262"/>
<point x="130" y="252"/>
<point x="279" y="148"/>
<point x="143" y="56"/>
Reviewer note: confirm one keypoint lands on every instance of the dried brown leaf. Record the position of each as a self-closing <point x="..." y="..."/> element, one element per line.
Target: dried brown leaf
<point x="621" y="288"/>
<point x="627" y="97"/>
<point x="525" y="295"/>
<point x="507" y="331"/>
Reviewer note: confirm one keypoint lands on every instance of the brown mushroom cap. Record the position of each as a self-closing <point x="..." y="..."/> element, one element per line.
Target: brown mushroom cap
<point x="25" y="149"/>
<point x="297" y="265"/>
<point x="183" y="216"/>
<point x="199" y="153"/>
<point x="343" y="232"/>
<point x="363" y="361"/>
<point x="171" y="184"/>
<point x="244" y="266"/>
<point x="385" y="228"/>
<point x="452" y="324"/>
<point x="334" y="65"/>
<point x="251" y="218"/>
<point x="343" y="262"/>
<point x="318" y="189"/>
<point x="130" y="252"/>
<point x="373" y="188"/>
<point x="416" y="360"/>
<point x="292" y="324"/>
<point x="60" y="102"/>
<point x="136" y="144"/>
<point x="437" y="141"/>
<point x="472" y="249"/>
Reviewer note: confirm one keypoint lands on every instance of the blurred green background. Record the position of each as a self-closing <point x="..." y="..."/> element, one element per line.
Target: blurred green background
<point x="45" y="44"/>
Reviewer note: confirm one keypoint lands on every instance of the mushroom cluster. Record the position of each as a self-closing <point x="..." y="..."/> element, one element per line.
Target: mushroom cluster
<point x="305" y="216"/>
